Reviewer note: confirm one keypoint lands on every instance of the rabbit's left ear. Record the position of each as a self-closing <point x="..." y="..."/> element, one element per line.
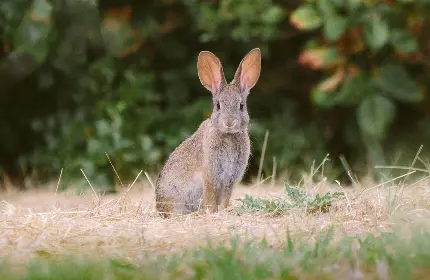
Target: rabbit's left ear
<point x="248" y="72"/>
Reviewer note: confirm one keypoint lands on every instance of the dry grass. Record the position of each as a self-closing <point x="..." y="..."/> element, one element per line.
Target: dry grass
<point x="49" y="224"/>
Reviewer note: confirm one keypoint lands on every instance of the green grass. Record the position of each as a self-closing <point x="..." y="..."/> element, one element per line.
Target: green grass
<point x="295" y="198"/>
<point x="389" y="256"/>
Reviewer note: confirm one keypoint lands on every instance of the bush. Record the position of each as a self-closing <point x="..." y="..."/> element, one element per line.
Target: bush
<point x="374" y="57"/>
<point x="82" y="79"/>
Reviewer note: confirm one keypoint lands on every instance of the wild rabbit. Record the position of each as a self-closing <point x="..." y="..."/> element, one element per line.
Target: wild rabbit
<point x="201" y="172"/>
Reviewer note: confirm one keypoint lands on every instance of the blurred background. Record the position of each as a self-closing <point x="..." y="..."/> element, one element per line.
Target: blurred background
<point x="80" y="79"/>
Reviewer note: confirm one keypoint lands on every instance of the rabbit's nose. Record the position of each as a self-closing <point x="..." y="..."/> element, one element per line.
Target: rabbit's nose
<point x="229" y="123"/>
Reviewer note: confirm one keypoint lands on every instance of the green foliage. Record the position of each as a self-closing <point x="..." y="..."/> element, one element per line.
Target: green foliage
<point x="100" y="127"/>
<point x="32" y="35"/>
<point x="297" y="198"/>
<point x="375" y="114"/>
<point x="376" y="31"/>
<point x="395" y="81"/>
<point x="82" y="79"/>
<point x="306" y="18"/>
<point x="380" y="61"/>
<point x="249" y="19"/>
<point x="388" y="255"/>
<point x="403" y="41"/>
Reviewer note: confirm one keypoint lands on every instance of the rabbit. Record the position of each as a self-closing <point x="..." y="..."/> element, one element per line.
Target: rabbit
<point x="199" y="175"/>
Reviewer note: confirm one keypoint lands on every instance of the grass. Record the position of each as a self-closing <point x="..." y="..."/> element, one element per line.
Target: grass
<point x="317" y="231"/>
<point x="388" y="256"/>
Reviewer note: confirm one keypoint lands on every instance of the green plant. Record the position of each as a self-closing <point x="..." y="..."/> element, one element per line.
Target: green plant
<point x="80" y="79"/>
<point x="372" y="58"/>
<point x="113" y="84"/>
<point x="390" y="255"/>
<point x="298" y="198"/>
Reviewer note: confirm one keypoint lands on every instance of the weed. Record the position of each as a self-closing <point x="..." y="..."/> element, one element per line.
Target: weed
<point x="296" y="198"/>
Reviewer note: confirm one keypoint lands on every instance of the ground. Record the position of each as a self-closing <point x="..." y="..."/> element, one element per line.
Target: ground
<point x="129" y="225"/>
<point x="40" y="225"/>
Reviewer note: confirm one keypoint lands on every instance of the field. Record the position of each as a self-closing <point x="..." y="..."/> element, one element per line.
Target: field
<point x="273" y="232"/>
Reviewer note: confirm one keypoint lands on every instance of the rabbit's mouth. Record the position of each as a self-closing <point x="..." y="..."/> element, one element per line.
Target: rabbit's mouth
<point x="230" y="130"/>
<point x="230" y="125"/>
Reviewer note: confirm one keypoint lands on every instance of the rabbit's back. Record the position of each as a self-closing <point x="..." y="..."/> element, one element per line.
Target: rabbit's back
<point x="180" y="183"/>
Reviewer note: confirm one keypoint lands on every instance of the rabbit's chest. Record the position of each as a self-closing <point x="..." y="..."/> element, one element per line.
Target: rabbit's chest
<point x="227" y="161"/>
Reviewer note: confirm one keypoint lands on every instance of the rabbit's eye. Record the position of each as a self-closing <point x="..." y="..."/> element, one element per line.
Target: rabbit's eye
<point x="241" y="107"/>
<point x="217" y="106"/>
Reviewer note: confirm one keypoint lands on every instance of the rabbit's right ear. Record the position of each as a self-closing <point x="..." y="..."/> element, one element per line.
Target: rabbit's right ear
<point x="210" y="72"/>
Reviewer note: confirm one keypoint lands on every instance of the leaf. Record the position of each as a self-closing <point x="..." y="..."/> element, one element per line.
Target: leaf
<point x="354" y="89"/>
<point x="331" y="84"/>
<point x="353" y="4"/>
<point x="376" y="32"/>
<point x="324" y="94"/>
<point x="338" y="3"/>
<point x="33" y="32"/>
<point x="306" y="17"/>
<point x="296" y="194"/>
<point x="375" y="115"/>
<point x="334" y="27"/>
<point x="394" y="79"/>
<point x="322" y="57"/>
<point x="311" y="44"/>
<point x="119" y="36"/>
<point x="94" y="146"/>
<point x="41" y="10"/>
<point x="300" y="199"/>
<point x="326" y="8"/>
<point x="404" y="42"/>
<point x="103" y="128"/>
<point x="273" y="14"/>
<point x="322" y="98"/>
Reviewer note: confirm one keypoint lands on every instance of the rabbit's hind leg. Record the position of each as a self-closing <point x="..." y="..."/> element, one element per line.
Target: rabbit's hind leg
<point x="186" y="197"/>
<point x="194" y="193"/>
<point x="194" y="199"/>
<point x="164" y="207"/>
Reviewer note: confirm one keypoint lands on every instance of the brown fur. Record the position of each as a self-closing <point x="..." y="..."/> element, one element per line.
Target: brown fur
<point x="202" y="171"/>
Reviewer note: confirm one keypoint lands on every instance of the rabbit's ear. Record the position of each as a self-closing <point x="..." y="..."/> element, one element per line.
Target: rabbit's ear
<point x="248" y="72"/>
<point x="210" y="72"/>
